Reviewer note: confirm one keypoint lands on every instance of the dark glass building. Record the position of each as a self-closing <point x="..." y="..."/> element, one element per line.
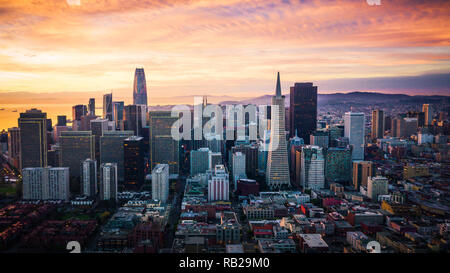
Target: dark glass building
<point x="108" y="107"/>
<point x="133" y="148"/>
<point x="33" y="138"/>
<point x="78" y="111"/>
<point x="112" y="149"/>
<point x="133" y="119"/>
<point x="139" y="87"/>
<point x="303" y="110"/>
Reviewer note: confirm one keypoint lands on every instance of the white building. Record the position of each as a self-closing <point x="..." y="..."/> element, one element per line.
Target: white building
<point x="376" y="186"/>
<point x="160" y="182"/>
<point x="424" y="138"/>
<point x="89" y="177"/>
<point x="354" y="127"/>
<point x="312" y="175"/>
<point x="238" y="167"/>
<point x="219" y="185"/>
<point x="46" y="183"/>
<point x="108" y="181"/>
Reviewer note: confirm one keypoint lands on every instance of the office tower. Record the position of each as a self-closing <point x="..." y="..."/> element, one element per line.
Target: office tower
<point x="263" y="152"/>
<point x="387" y="123"/>
<point x="420" y="116"/>
<point x="134" y="162"/>
<point x="98" y="127"/>
<point x="312" y="168"/>
<point x="85" y="123"/>
<point x="376" y="186"/>
<point x="46" y="183"/>
<point x="163" y="148"/>
<point x="140" y="87"/>
<point x="338" y="166"/>
<point x="362" y="170"/>
<point x="219" y="185"/>
<point x="118" y="115"/>
<point x="320" y="138"/>
<point x="133" y="119"/>
<point x="303" y="110"/>
<point x="428" y="114"/>
<point x="277" y="174"/>
<point x="160" y="182"/>
<point x="354" y="125"/>
<point x="62" y="121"/>
<point x="108" y="107"/>
<point x="238" y="167"/>
<point x="33" y="138"/>
<point x="91" y="107"/>
<point x="78" y="111"/>
<point x="407" y="127"/>
<point x="251" y="158"/>
<point x="214" y="159"/>
<point x="89" y="177"/>
<point x="377" y="124"/>
<point x="108" y="181"/>
<point x="14" y="147"/>
<point x="112" y="150"/>
<point x="199" y="161"/>
<point x="53" y="156"/>
<point x="76" y="146"/>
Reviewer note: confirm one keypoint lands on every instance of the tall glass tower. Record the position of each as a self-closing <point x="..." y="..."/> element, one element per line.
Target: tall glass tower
<point x="277" y="162"/>
<point x="139" y="87"/>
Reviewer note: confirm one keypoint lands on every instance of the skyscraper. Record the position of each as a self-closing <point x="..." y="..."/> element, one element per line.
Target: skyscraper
<point x="62" y="121"/>
<point x="108" y="181"/>
<point x="277" y="174"/>
<point x="219" y="185"/>
<point x="377" y="124"/>
<point x="112" y="150"/>
<point x="428" y="114"/>
<point x="133" y="119"/>
<point x="118" y="114"/>
<point x="78" y="111"/>
<point x="33" y="138"/>
<point x="76" y="146"/>
<point x="377" y="186"/>
<point x="238" y="168"/>
<point x="338" y="166"/>
<point x="91" y="106"/>
<point x="362" y="170"/>
<point x="133" y="162"/>
<point x="199" y="161"/>
<point x="354" y="125"/>
<point x="140" y="87"/>
<point x="251" y="158"/>
<point x="160" y="182"/>
<point x="89" y="177"/>
<point x="108" y="107"/>
<point x="303" y="110"/>
<point x="312" y="167"/>
<point x="14" y="147"/>
<point x="163" y="148"/>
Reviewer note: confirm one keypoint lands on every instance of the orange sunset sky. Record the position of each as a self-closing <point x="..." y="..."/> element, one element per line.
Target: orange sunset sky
<point x="65" y="51"/>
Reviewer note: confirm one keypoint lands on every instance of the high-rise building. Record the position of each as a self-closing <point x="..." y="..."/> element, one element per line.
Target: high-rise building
<point x="98" y="127"/>
<point x="108" y="107"/>
<point x="112" y="150"/>
<point x="163" y="148"/>
<point x="62" y="121"/>
<point x="219" y="185"/>
<point x="238" y="167"/>
<point x="377" y="124"/>
<point x="108" y="181"/>
<point x="214" y="159"/>
<point x="91" y="106"/>
<point x="14" y="147"/>
<point x="160" y="182"/>
<point x="303" y="110"/>
<point x="33" y="138"/>
<point x="78" y="111"/>
<point x="338" y="166"/>
<point x="46" y="183"/>
<point x="251" y="158"/>
<point x="277" y="174"/>
<point x="320" y="138"/>
<point x="354" y="127"/>
<point x="199" y="161"/>
<point x="89" y="177"/>
<point x="140" y="87"/>
<point x="134" y="162"/>
<point x="312" y="168"/>
<point x="376" y="186"/>
<point x="428" y="114"/>
<point x="362" y="170"/>
<point x="76" y="146"/>
<point x="118" y="115"/>
<point x="133" y="119"/>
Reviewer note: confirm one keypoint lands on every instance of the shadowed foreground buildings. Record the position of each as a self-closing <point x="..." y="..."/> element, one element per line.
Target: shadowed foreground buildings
<point x="33" y="138"/>
<point x="133" y="151"/>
